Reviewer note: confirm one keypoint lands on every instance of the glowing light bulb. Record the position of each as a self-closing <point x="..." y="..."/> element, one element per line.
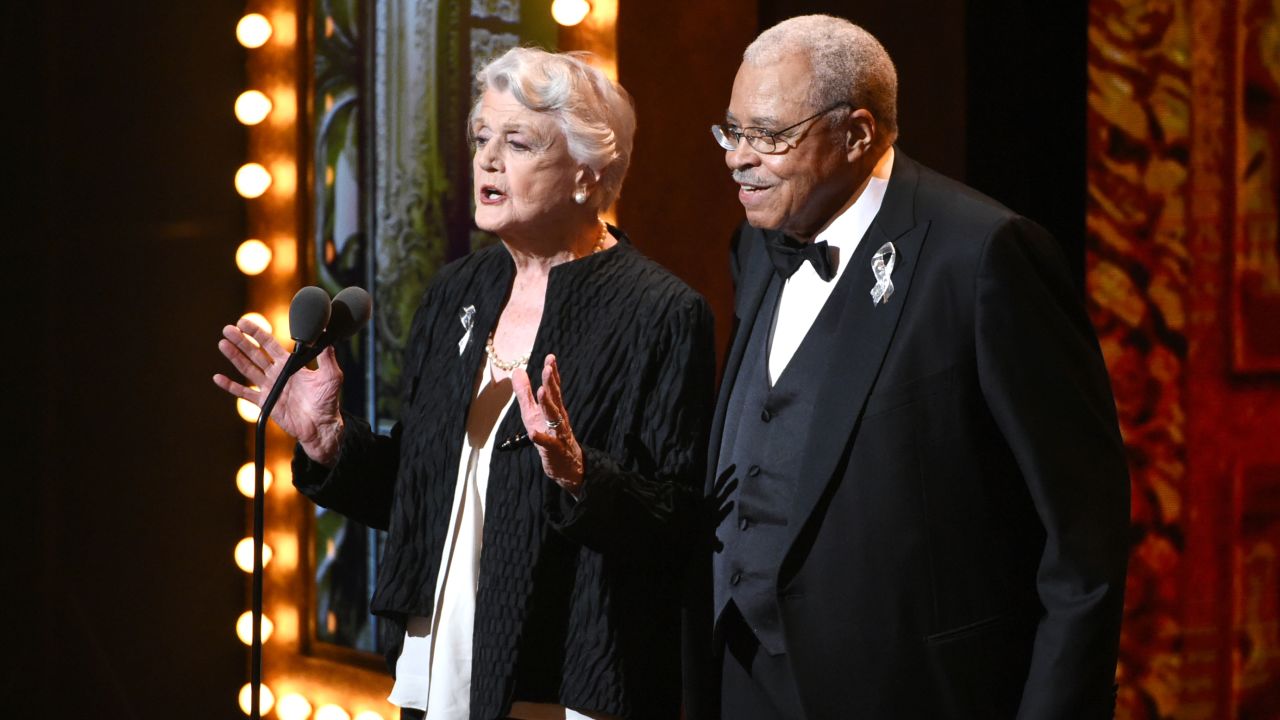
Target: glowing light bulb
<point x="570" y="12"/>
<point x="253" y="30"/>
<point x="244" y="479"/>
<point x="265" y="698"/>
<point x="253" y="256"/>
<point x="252" y="180"/>
<point x="252" y="107"/>
<point x="332" y="712"/>
<point x="244" y="554"/>
<point x="247" y="410"/>
<point x="293" y="707"/>
<point x="244" y="627"/>
<point x="369" y="715"/>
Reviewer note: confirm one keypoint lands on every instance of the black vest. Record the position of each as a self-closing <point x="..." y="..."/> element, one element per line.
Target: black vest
<point x="765" y="436"/>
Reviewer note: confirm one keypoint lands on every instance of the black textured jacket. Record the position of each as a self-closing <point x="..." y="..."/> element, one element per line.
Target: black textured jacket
<point x="578" y="603"/>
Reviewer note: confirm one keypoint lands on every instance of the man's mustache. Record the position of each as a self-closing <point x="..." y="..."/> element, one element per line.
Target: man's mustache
<point x="743" y="178"/>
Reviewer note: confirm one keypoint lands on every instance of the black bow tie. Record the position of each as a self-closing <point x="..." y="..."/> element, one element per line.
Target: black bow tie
<point x="788" y="255"/>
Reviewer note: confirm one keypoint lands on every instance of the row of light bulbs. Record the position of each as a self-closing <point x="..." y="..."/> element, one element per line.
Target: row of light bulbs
<point x="252" y="179"/>
<point x="252" y="107"/>
<point x="253" y="257"/>
<point x="296" y="707"/>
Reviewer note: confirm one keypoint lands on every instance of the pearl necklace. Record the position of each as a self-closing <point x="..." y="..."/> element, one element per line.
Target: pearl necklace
<point x="604" y="235"/>
<point x="504" y="365"/>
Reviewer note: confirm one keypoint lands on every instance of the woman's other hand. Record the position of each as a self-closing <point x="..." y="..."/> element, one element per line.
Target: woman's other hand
<point x="546" y="422"/>
<point x="309" y="406"/>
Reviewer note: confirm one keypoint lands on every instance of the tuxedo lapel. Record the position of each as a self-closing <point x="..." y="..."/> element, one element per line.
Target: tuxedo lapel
<point x="860" y="340"/>
<point x="752" y="285"/>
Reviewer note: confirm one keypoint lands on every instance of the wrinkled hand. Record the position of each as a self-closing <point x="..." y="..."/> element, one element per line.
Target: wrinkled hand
<point x="308" y="408"/>
<point x="546" y="422"/>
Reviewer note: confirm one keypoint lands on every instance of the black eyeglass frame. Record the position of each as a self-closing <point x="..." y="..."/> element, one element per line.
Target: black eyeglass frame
<point x="729" y="139"/>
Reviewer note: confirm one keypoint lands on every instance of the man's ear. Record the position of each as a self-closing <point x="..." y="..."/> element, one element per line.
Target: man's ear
<point x="860" y="136"/>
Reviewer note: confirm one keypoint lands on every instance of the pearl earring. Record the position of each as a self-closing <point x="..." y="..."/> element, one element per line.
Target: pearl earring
<point x="580" y="196"/>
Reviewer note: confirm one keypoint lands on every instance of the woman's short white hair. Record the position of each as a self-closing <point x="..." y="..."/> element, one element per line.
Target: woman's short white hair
<point x="849" y="65"/>
<point x="595" y="113"/>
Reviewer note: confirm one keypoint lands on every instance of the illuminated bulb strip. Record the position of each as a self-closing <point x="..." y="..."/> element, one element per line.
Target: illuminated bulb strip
<point x="253" y="257"/>
<point x="244" y="554"/>
<point x="369" y="715"/>
<point x="253" y="30"/>
<point x="265" y="699"/>
<point x="244" y="627"/>
<point x="244" y="479"/>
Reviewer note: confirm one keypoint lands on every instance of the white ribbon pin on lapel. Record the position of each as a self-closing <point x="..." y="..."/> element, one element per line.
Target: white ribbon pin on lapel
<point x="468" y="318"/>
<point x="882" y="267"/>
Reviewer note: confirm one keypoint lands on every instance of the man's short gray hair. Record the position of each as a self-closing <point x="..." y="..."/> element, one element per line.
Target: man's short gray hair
<point x="595" y="113"/>
<point x="849" y="65"/>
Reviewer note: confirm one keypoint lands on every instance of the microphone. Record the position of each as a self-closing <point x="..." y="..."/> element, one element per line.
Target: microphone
<point x="351" y="309"/>
<point x="309" y="313"/>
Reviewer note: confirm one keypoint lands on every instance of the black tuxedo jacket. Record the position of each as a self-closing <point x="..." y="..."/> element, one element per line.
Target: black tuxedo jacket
<point x="958" y="541"/>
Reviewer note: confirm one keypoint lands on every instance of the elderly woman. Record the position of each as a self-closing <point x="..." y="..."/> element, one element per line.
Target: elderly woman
<point x="540" y="483"/>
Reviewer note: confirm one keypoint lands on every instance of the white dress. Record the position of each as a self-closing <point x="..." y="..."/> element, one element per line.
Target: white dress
<point x="433" y="672"/>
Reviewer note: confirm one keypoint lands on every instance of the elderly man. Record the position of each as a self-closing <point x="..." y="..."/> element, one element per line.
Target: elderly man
<point x="923" y="490"/>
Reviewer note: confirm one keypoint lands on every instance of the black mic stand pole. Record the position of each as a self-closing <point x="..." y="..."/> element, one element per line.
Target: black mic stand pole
<point x="291" y="366"/>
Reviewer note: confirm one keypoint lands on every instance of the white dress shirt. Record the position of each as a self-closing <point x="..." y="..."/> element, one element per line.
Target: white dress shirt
<point x="804" y="293"/>
<point x="433" y="672"/>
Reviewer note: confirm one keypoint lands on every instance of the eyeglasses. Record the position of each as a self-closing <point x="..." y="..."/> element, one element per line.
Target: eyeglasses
<point x="761" y="139"/>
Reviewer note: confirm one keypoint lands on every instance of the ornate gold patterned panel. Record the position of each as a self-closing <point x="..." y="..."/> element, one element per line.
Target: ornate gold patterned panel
<point x="1136" y="275"/>
<point x="1183" y="275"/>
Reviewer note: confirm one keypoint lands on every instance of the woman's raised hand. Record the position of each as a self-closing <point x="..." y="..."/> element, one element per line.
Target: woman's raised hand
<point x="309" y="406"/>
<point x="546" y="422"/>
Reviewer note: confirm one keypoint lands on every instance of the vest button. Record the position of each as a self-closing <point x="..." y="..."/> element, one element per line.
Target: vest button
<point x="765" y="415"/>
<point x="744" y="523"/>
<point x="735" y="579"/>
<point x="754" y="470"/>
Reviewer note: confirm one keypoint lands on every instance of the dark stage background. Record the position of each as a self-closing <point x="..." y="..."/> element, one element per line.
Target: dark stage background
<point x="126" y="513"/>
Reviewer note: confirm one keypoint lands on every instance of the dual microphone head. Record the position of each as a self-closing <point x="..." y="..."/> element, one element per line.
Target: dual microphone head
<point x="316" y="322"/>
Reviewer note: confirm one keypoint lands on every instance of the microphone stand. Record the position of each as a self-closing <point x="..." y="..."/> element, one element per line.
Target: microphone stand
<point x="291" y="366"/>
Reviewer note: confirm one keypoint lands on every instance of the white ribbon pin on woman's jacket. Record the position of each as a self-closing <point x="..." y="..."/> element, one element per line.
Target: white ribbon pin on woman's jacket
<point x="468" y="318"/>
